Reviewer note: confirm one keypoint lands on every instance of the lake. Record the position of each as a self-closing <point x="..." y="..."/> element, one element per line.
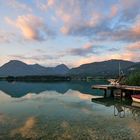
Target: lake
<point x="65" y="111"/>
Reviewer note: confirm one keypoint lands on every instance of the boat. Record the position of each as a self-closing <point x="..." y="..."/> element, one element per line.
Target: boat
<point x="136" y="98"/>
<point x="136" y="104"/>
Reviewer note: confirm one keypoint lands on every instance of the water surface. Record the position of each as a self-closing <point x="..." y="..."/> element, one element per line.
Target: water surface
<point x="67" y="110"/>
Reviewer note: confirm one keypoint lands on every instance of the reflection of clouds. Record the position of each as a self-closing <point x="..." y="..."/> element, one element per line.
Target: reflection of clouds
<point x="71" y="99"/>
<point x="27" y="130"/>
<point x="52" y="95"/>
<point x="81" y="95"/>
<point x="83" y="106"/>
<point x="3" y="96"/>
<point x="29" y="96"/>
<point x="29" y="124"/>
<point x="3" y="118"/>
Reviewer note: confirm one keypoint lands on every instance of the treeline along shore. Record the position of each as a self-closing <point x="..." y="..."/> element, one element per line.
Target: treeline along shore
<point x="49" y="78"/>
<point x="36" y="78"/>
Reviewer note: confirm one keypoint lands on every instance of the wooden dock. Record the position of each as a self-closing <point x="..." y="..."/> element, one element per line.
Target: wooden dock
<point x="123" y="89"/>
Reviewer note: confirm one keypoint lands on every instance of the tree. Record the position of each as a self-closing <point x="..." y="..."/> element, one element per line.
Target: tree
<point x="133" y="79"/>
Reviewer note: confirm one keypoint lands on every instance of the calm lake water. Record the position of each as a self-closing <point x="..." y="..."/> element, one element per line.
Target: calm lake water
<point x="65" y="111"/>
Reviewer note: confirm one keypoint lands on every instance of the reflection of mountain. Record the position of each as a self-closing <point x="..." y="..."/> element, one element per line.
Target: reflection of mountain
<point x="19" y="89"/>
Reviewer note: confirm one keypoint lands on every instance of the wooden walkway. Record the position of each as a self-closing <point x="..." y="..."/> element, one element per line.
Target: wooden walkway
<point x="125" y="91"/>
<point x="122" y="87"/>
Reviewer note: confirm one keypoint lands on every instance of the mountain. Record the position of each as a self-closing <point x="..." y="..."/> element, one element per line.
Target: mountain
<point x="104" y="68"/>
<point x="38" y="67"/>
<point x="135" y="67"/>
<point x="18" y="68"/>
<point x="58" y="70"/>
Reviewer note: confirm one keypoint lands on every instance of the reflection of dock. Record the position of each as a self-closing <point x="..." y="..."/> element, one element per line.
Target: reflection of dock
<point x="120" y="106"/>
<point x="109" y="101"/>
<point x="122" y="88"/>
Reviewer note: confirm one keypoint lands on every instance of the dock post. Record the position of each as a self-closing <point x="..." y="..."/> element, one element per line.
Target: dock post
<point x="121" y="94"/>
<point x="112" y="93"/>
<point x="105" y="92"/>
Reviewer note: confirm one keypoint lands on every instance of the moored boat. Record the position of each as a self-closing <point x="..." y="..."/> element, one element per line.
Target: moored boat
<point x="136" y="104"/>
<point x="136" y="98"/>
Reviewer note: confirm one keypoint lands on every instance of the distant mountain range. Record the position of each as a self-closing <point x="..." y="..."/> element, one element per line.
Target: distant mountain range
<point x="18" y="68"/>
<point x="104" y="68"/>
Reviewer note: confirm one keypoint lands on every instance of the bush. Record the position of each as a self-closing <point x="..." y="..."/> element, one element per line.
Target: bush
<point x="133" y="79"/>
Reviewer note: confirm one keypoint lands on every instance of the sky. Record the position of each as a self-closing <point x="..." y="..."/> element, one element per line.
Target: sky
<point x="72" y="32"/>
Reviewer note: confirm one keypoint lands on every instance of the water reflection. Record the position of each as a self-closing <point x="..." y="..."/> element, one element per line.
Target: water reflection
<point x="27" y="130"/>
<point x="121" y="107"/>
<point x="19" y="89"/>
<point x="64" y="111"/>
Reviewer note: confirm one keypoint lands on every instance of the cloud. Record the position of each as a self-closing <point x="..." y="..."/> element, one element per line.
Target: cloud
<point x="42" y="58"/>
<point x="86" y="50"/>
<point x="129" y="10"/>
<point x="86" y="18"/>
<point x="125" y="34"/>
<point x="34" y="58"/>
<point x="18" y="5"/>
<point x="74" y="15"/>
<point x="113" y="49"/>
<point x="118" y="22"/>
<point x="44" y="6"/>
<point x="6" y="37"/>
<point x="96" y="58"/>
<point x="32" y="27"/>
<point x="134" y="47"/>
<point x="136" y="27"/>
<point x="78" y="23"/>
<point x="114" y="10"/>
<point x="130" y="53"/>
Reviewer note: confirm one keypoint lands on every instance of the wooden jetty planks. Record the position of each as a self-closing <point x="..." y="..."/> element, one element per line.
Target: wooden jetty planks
<point x="111" y="87"/>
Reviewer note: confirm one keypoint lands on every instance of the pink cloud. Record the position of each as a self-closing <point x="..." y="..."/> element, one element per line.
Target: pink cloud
<point x="134" y="46"/>
<point x="136" y="27"/>
<point x="126" y="55"/>
<point x="88" y="46"/>
<point x="31" y="27"/>
<point x="114" y="10"/>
